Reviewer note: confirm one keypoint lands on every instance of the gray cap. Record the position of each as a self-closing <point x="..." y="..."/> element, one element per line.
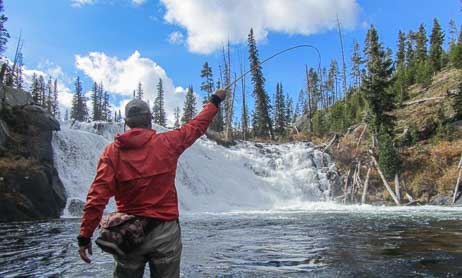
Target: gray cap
<point x="136" y="108"/>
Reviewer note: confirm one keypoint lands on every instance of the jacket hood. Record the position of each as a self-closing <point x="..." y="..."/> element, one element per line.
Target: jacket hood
<point x="134" y="138"/>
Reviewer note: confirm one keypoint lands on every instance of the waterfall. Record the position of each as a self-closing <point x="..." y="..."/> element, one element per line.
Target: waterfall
<point x="209" y="177"/>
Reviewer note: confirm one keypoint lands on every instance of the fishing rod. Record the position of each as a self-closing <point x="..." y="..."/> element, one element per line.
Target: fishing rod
<point x="273" y="56"/>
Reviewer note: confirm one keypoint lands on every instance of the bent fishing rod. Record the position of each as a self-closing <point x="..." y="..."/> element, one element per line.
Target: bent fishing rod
<point x="273" y="56"/>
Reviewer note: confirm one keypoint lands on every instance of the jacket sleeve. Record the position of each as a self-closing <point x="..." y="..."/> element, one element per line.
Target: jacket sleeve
<point x="180" y="139"/>
<point x="101" y="190"/>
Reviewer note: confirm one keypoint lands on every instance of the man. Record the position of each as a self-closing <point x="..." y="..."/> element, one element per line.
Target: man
<point x="139" y="169"/>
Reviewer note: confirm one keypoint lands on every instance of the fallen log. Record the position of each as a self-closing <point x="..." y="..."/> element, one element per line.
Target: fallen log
<point x="366" y="185"/>
<point x="330" y="143"/>
<point x="411" y="102"/>
<point x="459" y="177"/>
<point x="412" y="203"/>
<point x="345" y="188"/>
<point x="358" y="181"/>
<point x="361" y="136"/>
<point x="398" y="195"/>
<point x="409" y="197"/>
<point x="384" y="180"/>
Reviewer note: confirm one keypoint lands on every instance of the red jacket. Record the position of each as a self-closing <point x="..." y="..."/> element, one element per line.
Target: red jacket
<point x="139" y="169"/>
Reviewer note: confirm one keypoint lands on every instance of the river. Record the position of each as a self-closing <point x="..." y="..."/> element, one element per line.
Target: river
<point x="317" y="240"/>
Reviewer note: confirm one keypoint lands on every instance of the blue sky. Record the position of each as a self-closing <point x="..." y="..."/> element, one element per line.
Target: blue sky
<point x="175" y="37"/>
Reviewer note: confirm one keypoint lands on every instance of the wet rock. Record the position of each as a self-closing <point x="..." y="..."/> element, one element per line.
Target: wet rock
<point x="75" y="207"/>
<point x="444" y="200"/>
<point x="440" y="200"/>
<point x="30" y="187"/>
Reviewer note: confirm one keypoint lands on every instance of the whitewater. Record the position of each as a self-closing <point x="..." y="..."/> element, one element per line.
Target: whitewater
<point x="250" y="210"/>
<point x="210" y="177"/>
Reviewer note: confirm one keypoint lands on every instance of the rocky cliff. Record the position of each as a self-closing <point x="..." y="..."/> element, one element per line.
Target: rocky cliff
<point x="29" y="184"/>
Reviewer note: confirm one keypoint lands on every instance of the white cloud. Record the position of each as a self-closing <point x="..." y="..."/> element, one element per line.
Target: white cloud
<point x="176" y="38"/>
<point x="210" y="23"/>
<point x="80" y="3"/>
<point x="121" y="77"/>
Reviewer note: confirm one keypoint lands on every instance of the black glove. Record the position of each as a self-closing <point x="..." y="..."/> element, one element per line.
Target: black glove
<point x="83" y="241"/>
<point x="215" y="100"/>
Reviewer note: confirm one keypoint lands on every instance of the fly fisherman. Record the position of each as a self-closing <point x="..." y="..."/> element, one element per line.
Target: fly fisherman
<point x="139" y="169"/>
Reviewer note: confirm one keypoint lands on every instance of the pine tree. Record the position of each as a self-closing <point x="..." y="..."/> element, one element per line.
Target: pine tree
<point x="356" y="62"/>
<point x="189" y="109"/>
<point x="401" y="53"/>
<point x="401" y="84"/>
<point x="410" y="58"/>
<point x="95" y="102"/>
<point x="332" y="77"/>
<point x="436" y="47"/>
<point x="299" y="107"/>
<point x="35" y="90"/>
<point x="66" y="115"/>
<point x="42" y="91"/>
<point x="263" y="125"/>
<point x="313" y="89"/>
<point x="388" y="155"/>
<point x="79" y="110"/>
<point x="139" y="91"/>
<point x="459" y="40"/>
<point x="421" y="44"/>
<point x="423" y="73"/>
<point x="177" y="117"/>
<point x="457" y="104"/>
<point x="245" y="113"/>
<point x="159" y="111"/>
<point x="105" y="107"/>
<point x="18" y="71"/>
<point x="377" y="82"/>
<point x="289" y="110"/>
<point x="207" y="82"/>
<point x="55" y="110"/>
<point x="455" y="55"/>
<point x="279" y="111"/>
<point x="4" y="36"/>
<point x="452" y="33"/>
<point x="49" y="101"/>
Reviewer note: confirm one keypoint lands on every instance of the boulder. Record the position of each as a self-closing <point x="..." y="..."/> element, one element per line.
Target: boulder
<point x="75" y="207"/>
<point x="30" y="187"/>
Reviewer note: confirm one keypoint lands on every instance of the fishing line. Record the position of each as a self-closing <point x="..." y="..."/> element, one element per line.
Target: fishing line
<point x="273" y="56"/>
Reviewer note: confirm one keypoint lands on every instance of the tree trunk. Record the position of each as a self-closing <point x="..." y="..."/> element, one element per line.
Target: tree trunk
<point x="397" y="187"/>
<point x="385" y="181"/>
<point x="366" y="185"/>
<point x="345" y="188"/>
<point x="456" y="189"/>
<point x="330" y="143"/>
<point x="361" y="136"/>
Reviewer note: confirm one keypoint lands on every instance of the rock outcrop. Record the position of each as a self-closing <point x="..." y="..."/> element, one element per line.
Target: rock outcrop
<point x="30" y="187"/>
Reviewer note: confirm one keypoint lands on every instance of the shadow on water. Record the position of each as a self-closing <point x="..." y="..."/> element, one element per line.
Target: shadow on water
<point x="296" y="244"/>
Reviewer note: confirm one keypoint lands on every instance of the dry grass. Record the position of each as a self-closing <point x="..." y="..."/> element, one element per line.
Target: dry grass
<point x="423" y="115"/>
<point x="18" y="165"/>
<point x="432" y="169"/>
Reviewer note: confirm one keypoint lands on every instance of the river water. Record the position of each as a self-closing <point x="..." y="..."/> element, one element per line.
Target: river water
<point x="318" y="240"/>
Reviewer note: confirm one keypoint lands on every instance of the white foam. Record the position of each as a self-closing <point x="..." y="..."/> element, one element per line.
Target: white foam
<point x="210" y="177"/>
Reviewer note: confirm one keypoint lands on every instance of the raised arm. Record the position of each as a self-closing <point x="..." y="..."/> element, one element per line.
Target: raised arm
<point x="101" y="190"/>
<point x="180" y="139"/>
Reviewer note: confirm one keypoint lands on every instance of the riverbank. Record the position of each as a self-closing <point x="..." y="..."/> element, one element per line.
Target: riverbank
<point x="428" y="140"/>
